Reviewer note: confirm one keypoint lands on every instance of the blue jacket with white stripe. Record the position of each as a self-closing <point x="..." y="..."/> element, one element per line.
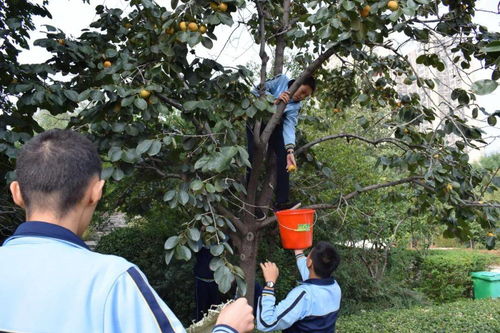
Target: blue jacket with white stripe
<point x="51" y="282"/>
<point x="311" y="307"/>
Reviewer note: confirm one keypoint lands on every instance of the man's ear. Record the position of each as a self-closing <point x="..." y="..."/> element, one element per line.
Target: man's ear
<point x="96" y="191"/>
<point x="309" y="262"/>
<point x="15" y="190"/>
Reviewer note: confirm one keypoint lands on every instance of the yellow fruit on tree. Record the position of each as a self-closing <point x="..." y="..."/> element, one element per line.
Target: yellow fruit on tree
<point x="436" y="156"/>
<point x="192" y="26"/>
<point x="183" y="26"/>
<point x="170" y="31"/>
<point x="365" y="11"/>
<point x="449" y="187"/>
<point x="222" y="7"/>
<point x="393" y="5"/>
<point x="336" y="110"/>
<point x="144" y="93"/>
<point x="107" y="64"/>
<point x="214" y="5"/>
<point x="202" y="29"/>
<point x="490" y="234"/>
<point x="292" y="168"/>
<point x="406" y="131"/>
<point x="61" y="41"/>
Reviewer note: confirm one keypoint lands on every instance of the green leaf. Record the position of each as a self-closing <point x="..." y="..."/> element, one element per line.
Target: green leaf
<point x="71" y="95"/>
<point x="260" y="104"/>
<point x="207" y="42"/>
<point x="183" y="253"/>
<point x="169" y="195"/>
<point x="140" y="103"/>
<point x="190" y="105"/>
<point x="168" y="256"/>
<point x="106" y="173"/>
<point x="216" y="250"/>
<point x="171" y="242"/>
<point x="127" y="101"/>
<point x="194" y="234"/>
<point x="215" y="263"/>
<point x="492" y="120"/>
<point x="143" y="146"/>
<point x="118" y="174"/>
<point x="196" y="185"/>
<point x="183" y="197"/>
<point x="484" y="87"/>
<point x="155" y="148"/>
<point x="492" y="47"/>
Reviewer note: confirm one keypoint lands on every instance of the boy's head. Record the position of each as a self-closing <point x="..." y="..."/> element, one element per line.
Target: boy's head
<point x="55" y="171"/>
<point x="305" y="90"/>
<point x="324" y="259"/>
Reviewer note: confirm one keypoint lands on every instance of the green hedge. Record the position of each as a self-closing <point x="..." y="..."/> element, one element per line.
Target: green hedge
<point x="481" y="316"/>
<point x="444" y="275"/>
<point x="143" y="246"/>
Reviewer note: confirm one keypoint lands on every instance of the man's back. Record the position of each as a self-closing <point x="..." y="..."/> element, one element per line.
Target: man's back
<point x="50" y="282"/>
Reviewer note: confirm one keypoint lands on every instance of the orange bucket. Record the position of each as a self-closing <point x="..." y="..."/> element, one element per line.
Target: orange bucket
<point x="296" y="228"/>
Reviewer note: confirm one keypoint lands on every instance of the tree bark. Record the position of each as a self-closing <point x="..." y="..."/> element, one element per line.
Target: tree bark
<point x="248" y="261"/>
<point x="280" y="40"/>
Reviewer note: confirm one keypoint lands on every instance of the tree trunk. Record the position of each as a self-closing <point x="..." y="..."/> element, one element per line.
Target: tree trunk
<point x="248" y="260"/>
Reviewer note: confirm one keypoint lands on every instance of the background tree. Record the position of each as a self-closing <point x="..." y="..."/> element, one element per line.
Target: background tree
<point x="172" y="121"/>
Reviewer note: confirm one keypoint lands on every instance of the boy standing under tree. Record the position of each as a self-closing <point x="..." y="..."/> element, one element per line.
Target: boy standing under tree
<point x="313" y="306"/>
<point x="282" y="140"/>
<point x="50" y="280"/>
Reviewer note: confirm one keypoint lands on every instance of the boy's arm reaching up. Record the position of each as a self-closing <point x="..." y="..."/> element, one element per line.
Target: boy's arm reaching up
<point x="302" y="264"/>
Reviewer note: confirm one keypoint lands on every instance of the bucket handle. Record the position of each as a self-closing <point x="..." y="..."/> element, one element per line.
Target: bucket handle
<point x="291" y="229"/>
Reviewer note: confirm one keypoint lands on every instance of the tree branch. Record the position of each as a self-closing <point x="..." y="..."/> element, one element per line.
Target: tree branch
<point x="351" y="195"/>
<point x="394" y="141"/>
<point x="237" y="222"/>
<point x="280" y="40"/>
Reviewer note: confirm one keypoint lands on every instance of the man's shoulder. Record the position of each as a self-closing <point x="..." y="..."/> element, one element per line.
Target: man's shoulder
<point x="108" y="262"/>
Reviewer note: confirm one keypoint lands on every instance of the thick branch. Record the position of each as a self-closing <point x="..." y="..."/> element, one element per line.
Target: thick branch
<point x="354" y="136"/>
<point x="351" y="195"/>
<point x="280" y="40"/>
<point x="236" y="221"/>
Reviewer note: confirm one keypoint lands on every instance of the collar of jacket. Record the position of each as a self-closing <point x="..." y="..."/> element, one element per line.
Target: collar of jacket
<point x="320" y="282"/>
<point x="47" y="230"/>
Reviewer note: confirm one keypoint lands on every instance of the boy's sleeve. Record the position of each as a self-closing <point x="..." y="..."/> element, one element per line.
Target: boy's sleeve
<point x="271" y="317"/>
<point x="289" y="123"/>
<point x="133" y="306"/>
<point x="302" y="266"/>
<point x="271" y="85"/>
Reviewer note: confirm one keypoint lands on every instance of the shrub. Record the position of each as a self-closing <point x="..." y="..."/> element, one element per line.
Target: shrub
<point x="143" y="246"/>
<point x="481" y="316"/>
<point x="359" y="290"/>
<point x="444" y="276"/>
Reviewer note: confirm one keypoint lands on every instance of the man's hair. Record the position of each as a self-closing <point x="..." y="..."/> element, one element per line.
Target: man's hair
<point x="308" y="81"/>
<point x="325" y="259"/>
<point x="54" y="169"/>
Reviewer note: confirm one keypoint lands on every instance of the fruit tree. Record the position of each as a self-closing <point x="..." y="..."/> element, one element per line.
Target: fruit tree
<point x="161" y="113"/>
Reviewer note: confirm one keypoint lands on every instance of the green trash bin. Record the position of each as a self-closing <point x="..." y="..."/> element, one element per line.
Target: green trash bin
<point x="486" y="284"/>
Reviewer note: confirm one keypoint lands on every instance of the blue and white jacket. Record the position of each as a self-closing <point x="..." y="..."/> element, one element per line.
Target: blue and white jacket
<point x="51" y="282"/>
<point x="275" y="87"/>
<point x="311" y="307"/>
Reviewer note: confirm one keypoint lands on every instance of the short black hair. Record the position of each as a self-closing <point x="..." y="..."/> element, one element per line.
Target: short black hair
<point x="58" y="163"/>
<point x="325" y="259"/>
<point x="308" y="81"/>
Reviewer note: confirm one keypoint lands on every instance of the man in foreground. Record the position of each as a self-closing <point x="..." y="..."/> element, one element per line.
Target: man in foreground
<point x="50" y="281"/>
<point x="311" y="307"/>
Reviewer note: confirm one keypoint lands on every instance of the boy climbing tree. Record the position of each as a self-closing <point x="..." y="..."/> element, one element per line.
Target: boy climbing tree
<point x="282" y="140"/>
